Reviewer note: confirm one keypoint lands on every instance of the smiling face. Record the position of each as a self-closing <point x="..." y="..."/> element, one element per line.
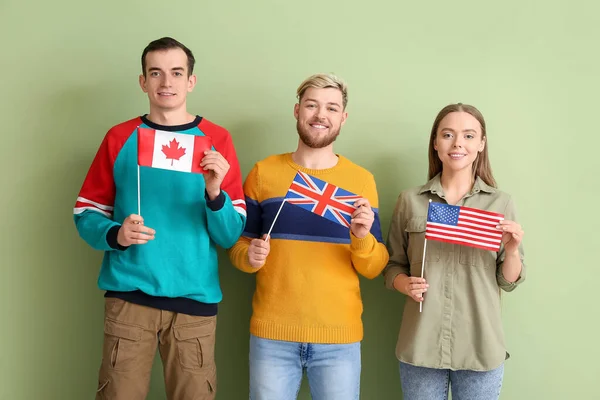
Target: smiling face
<point x="320" y="115"/>
<point x="166" y="80"/>
<point x="458" y="141"/>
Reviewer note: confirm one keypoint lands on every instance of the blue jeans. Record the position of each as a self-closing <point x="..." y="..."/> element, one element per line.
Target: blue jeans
<point x="419" y="383"/>
<point x="276" y="369"/>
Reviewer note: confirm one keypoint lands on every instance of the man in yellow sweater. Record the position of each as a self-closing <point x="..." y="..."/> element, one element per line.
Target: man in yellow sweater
<point x="307" y="305"/>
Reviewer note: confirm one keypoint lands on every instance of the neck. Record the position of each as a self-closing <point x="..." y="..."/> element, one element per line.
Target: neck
<point x="457" y="184"/>
<point x="170" y="117"/>
<point x="310" y="158"/>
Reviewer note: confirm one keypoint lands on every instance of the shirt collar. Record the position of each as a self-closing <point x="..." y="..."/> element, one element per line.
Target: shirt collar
<point x="435" y="186"/>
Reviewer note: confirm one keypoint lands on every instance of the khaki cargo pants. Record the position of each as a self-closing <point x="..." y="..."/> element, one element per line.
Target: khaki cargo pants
<point x="131" y="335"/>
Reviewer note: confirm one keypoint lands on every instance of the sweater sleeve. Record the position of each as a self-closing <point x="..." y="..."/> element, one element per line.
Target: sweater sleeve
<point x="253" y="229"/>
<point x="510" y="214"/>
<point x="369" y="254"/>
<point x="397" y="243"/>
<point x="93" y="211"/>
<point x="226" y="222"/>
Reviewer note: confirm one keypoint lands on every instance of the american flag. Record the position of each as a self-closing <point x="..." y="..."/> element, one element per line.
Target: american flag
<point x="463" y="225"/>
<point x="322" y="198"/>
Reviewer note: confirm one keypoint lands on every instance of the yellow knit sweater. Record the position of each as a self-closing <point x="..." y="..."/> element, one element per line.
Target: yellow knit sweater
<point x="308" y="289"/>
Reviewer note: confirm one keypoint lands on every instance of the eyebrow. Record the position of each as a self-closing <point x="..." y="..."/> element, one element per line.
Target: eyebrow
<point x="330" y="103"/>
<point x="464" y="131"/>
<point x="159" y="69"/>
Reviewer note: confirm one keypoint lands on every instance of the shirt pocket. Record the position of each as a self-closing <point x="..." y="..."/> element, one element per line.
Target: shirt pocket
<point x="475" y="257"/>
<point x="415" y="228"/>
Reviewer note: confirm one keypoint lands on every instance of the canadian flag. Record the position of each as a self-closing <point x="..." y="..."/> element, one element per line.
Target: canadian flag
<point x="171" y="150"/>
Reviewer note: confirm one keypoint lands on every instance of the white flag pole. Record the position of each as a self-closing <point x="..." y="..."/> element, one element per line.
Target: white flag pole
<point x="138" y="168"/>
<point x="138" y="191"/>
<point x="423" y="262"/>
<point x="423" y="272"/>
<point x="276" y="215"/>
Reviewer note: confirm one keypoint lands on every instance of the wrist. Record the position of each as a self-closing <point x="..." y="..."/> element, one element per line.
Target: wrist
<point x="213" y="194"/>
<point x="399" y="283"/>
<point x="511" y="253"/>
<point x="358" y="236"/>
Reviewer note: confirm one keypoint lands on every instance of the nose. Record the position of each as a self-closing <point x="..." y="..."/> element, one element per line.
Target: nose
<point x="321" y="113"/>
<point x="458" y="141"/>
<point x="165" y="81"/>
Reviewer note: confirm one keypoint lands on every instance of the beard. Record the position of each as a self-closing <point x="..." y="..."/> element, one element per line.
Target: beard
<point x="316" y="142"/>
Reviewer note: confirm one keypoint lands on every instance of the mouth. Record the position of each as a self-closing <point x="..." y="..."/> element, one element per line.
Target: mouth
<point x="318" y="126"/>
<point x="457" y="156"/>
<point x="166" y="94"/>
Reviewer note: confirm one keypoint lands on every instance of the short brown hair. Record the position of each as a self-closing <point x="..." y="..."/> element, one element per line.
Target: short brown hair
<point x="168" y="43"/>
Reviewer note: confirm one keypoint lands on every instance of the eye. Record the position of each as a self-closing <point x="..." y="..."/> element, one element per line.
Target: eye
<point x="446" y="135"/>
<point x="470" y="136"/>
<point x="310" y="106"/>
<point x="178" y="73"/>
<point x="333" y="109"/>
<point x="154" y="73"/>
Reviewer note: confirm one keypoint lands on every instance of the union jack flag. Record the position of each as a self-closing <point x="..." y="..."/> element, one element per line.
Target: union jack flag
<point x="322" y="198"/>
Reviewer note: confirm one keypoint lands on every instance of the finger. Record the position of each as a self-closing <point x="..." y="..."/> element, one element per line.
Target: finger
<point x="214" y="158"/>
<point x="260" y="243"/>
<point x="417" y="279"/>
<point x="422" y="285"/>
<point x="211" y="165"/>
<point x="140" y="236"/>
<point x="259" y="251"/>
<point x="134" y="219"/>
<point x="266" y="237"/>
<point x="257" y="262"/>
<point x="507" y="223"/>
<point x="217" y="161"/>
<point x="145" y="229"/>
<point x="361" y="221"/>
<point x="417" y="298"/>
<point x="141" y="229"/>
<point x="362" y="203"/>
<point x="363" y="211"/>
<point x="215" y="168"/>
<point x="418" y="293"/>
<point x="510" y="228"/>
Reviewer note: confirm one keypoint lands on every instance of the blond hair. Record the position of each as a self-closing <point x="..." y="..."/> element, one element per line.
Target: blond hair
<point x="323" y="81"/>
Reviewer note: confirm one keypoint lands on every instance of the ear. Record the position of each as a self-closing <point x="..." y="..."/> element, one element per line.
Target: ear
<point x="435" y="143"/>
<point x="191" y="82"/>
<point x="296" y="111"/>
<point x="142" y="80"/>
<point x="344" y="116"/>
<point x="482" y="145"/>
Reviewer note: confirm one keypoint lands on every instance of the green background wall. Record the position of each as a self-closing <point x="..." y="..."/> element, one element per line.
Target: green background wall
<point x="68" y="72"/>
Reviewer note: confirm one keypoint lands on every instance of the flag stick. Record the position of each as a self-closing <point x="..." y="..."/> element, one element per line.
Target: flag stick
<point x="138" y="182"/>
<point x="423" y="272"/>
<point x="423" y="262"/>
<point x="276" y="215"/>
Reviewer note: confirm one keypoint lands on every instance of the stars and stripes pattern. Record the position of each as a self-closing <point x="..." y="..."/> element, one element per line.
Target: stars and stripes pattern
<point x="463" y="225"/>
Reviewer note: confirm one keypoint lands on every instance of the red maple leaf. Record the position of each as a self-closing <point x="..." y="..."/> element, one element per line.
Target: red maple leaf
<point x="173" y="151"/>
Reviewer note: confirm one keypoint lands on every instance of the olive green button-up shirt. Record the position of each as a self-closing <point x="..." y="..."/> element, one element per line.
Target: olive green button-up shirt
<point x="460" y="326"/>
